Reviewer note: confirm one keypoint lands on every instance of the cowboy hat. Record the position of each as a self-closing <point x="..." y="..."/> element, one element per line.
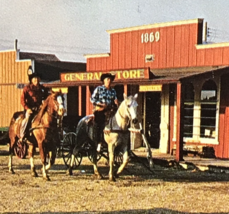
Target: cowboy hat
<point x="31" y="76"/>
<point x="107" y="75"/>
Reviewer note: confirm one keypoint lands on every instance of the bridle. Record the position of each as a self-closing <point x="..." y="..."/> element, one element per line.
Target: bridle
<point x="127" y="110"/>
<point x="57" y="103"/>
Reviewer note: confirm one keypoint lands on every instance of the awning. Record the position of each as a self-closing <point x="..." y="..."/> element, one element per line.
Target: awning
<point x="158" y="76"/>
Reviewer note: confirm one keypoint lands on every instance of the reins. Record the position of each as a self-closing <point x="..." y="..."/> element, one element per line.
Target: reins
<point x="124" y="118"/>
<point x="49" y="114"/>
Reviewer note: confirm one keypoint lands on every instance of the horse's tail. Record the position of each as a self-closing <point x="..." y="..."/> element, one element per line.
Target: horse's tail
<point x="15" y="122"/>
<point x="4" y="139"/>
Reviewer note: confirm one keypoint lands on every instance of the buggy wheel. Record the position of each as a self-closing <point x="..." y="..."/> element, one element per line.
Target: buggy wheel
<point x="20" y="149"/>
<point x="67" y="147"/>
<point x="118" y="158"/>
<point x="89" y="152"/>
<point x="90" y="155"/>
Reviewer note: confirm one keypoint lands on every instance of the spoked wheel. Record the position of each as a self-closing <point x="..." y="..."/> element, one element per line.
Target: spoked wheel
<point x="67" y="147"/>
<point x="118" y="158"/>
<point x="89" y="151"/>
<point x="20" y="149"/>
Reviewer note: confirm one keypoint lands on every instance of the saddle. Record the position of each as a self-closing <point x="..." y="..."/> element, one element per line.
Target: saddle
<point x="19" y="117"/>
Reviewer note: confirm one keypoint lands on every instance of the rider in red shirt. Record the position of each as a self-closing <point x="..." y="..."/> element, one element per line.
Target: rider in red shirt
<point x="31" y="100"/>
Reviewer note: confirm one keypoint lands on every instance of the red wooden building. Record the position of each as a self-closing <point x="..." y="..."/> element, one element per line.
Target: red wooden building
<point x="182" y="83"/>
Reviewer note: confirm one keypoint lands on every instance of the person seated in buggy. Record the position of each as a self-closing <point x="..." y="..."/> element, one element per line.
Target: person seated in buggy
<point x="31" y="99"/>
<point x="105" y="102"/>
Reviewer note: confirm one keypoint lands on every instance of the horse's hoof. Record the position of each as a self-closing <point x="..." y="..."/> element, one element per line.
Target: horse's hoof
<point x="112" y="179"/>
<point x="69" y="172"/>
<point x="34" y="174"/>
<point x="47" y="178"/>
<point x="11" y="171"/>
<point x="99" y="177"/>
<point x="116" y="174"/>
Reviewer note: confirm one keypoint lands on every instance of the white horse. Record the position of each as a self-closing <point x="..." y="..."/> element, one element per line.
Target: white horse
<point x="117" y="136"/>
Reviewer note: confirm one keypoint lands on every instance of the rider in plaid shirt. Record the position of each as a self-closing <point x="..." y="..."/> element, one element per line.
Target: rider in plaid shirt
<point x="104" y="99"/>
<point x="102" y="95"/>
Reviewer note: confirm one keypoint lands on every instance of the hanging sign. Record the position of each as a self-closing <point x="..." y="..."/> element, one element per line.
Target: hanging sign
<point x="144" y="88"/>
<point x="63" y="90"/>
<point x="132" y="74"/>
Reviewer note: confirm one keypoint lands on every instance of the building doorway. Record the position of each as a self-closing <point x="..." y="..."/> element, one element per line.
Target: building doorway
<point x="153" y="118"/>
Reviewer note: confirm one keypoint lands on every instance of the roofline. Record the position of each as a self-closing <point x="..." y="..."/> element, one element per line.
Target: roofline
<point x="96" y="55"/>
<point x="157" y="25"/>
<point x="214" y="45"/>
<point x="13" y="50"/>
<point x="157" y="80"/>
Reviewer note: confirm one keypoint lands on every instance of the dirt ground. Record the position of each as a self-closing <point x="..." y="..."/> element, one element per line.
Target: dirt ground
<point x="137" y="190"/>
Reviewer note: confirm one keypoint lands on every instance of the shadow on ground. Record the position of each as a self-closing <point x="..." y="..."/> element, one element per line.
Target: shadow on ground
<point x="138" y="211"/>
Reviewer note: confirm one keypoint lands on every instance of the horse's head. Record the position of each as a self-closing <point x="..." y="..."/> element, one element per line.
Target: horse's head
<point x="58" y="101"/>
<point x="131" y="107"/>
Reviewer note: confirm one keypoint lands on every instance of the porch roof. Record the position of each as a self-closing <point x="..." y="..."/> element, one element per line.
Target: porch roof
<point x="174" y="75"/>
<point x="157" y="76"/>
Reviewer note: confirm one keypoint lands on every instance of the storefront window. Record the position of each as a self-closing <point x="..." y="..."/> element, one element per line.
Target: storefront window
<point x="188" y="109"/>
<point x="208" y="110"/>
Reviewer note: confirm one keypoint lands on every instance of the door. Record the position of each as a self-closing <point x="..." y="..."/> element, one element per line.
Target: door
<point x="153" y="118"/>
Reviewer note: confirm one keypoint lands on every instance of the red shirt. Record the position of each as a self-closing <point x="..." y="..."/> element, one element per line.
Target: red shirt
<point x="32" y="96"/>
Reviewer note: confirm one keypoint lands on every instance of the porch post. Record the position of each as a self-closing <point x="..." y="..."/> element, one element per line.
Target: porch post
<point x="125" y="89"/>
<point x="80" y="100"/>
<point x="88" y="103"/>
<point x="180" y="123"/>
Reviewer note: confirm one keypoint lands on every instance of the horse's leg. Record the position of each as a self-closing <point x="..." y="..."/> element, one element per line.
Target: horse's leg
<point x="96" y="171"/>
<point x="51" y="157"/>
<point x="125" y="161"/>
<point x="70" y="168"/>
<point x="74" y="153"/>
<point x="111" y="148"/>
<point x="10" y="164"/>
<point x="31" y="151"/>
<point x="48" y="166"/>
<point x="43" y="161"/>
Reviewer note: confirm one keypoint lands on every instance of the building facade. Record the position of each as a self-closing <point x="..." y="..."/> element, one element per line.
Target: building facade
<point x="182" y="84"/>
<point x="185" y="95"/>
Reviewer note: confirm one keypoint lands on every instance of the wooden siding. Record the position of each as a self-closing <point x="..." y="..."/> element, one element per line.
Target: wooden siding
<point x="175" y="48"/>
<point x="178" y="46"/>
<point x="12" y="72"/>
<point x="222" y="150"/>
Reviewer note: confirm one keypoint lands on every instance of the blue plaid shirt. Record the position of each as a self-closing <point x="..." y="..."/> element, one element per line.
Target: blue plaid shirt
<point x="103" y="95"/>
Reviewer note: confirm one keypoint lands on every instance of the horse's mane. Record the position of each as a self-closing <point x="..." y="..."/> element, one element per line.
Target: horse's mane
<point x="42" y="110"/>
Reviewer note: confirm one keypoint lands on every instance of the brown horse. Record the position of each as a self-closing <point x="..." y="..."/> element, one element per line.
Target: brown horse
<point x="43" y="133"/>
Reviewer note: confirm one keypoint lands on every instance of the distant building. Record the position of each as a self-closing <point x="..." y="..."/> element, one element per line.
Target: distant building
<point x="13" y="76"/>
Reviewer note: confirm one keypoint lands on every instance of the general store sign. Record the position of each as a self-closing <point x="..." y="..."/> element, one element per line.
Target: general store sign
<point x="132" y="74"/>
<point x="150" y="88"/>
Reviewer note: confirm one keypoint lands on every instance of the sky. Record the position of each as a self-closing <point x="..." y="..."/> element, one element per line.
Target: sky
<point x="71" y="28"/>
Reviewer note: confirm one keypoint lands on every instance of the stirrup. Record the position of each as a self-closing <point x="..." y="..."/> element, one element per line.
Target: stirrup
<point x="106" y="130"/>
<point x="22" y="139"/>
<point x="99" y="147"/>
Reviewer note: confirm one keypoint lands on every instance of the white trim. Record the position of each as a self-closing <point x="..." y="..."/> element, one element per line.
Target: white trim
<point x="215" y="45"/>
<point x="157" y="25"/>
<point x="192" y="141"/>
<point x="8" y="51"/>
<point x="96" y="55"/>
<point x="23" y="60"/>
